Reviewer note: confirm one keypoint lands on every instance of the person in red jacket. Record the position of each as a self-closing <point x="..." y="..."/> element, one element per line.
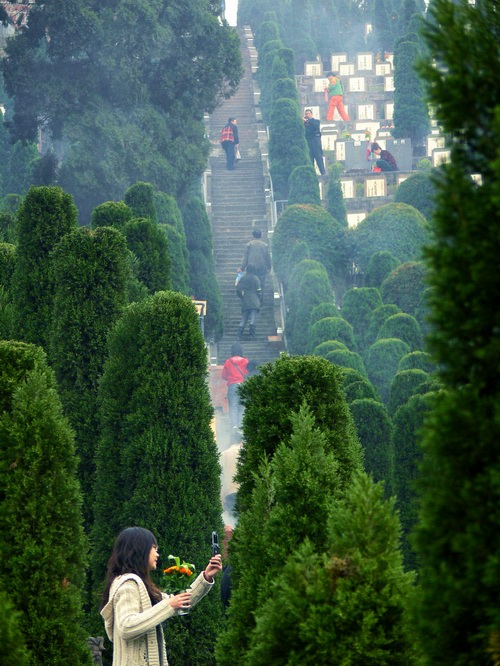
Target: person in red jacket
<point x="234" y="372"/>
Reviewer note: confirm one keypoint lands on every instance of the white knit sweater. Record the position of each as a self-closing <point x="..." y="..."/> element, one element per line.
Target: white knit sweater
<point x="131" y="620"/>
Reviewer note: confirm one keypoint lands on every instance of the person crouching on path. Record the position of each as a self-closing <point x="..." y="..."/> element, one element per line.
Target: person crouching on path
<point x="230" y="141"/>
<point x="133" y="608"/>
<point x="336" y="95"/>
<point x="250" y="293"/>
<point x="385" y="160"/>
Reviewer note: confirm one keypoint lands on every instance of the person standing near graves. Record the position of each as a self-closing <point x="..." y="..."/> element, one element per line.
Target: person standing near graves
<point x="249" y="292"/>
<point x="336" y="97"/>
<point x="313" y="137"/>
<point x="257" y="254"/>
<point x="385" y="160"/>
<point x="230" y="141"/>
<point x="234" y="372"/>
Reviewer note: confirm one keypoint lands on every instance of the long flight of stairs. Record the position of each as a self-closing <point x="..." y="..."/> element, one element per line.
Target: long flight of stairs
<point x="238" y="205"/>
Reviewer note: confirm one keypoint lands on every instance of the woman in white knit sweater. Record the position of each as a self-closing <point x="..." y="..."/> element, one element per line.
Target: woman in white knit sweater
<point x="133" y="607"/>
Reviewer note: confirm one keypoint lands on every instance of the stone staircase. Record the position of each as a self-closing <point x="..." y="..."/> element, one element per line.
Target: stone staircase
<point x="238" y="205"/>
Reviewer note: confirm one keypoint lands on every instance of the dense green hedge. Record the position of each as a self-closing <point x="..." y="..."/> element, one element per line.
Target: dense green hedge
<point x="419" y="360"/>
<point x="404" y="287"/>
<point x="332" y="328"/>
<point x="111" y="214"/>
<point x="329" y="345"/>
<point x="346" y="359"/>
<point x="148" y="241"/>
<point x="405" y="384"/>
<point x="402" y="326"/>
<point x="418" y="191"/>
<point x="140" y="198"/>
<point x="381" y="264"/>
<point x="357" y="307"/>
<point x="378" y="316"/>
<point x="303" y="186"/>
<point x="314" y="289"/>
<point x="381" y="362"/>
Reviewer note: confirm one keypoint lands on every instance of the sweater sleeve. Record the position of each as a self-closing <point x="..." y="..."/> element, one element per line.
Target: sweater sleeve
<point x="130" y="622"/>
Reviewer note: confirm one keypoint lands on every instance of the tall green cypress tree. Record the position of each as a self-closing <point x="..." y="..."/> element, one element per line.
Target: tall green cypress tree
<point x="90" y="274"/>
<point x="157" y="462"/>
<point x="45" y="216"/>
<point x="458" y="540"/>
<point x="42" y="546"/>
<point x="148" y="242"/>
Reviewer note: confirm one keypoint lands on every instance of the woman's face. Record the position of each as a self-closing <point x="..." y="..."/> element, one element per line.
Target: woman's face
<point x="153" y="558"/>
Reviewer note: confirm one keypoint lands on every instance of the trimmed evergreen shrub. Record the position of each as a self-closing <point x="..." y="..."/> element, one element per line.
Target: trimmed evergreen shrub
<point x="378" y="316"/>
<point x="374" y="428"/>
<point x="90" y="270"/>
<point x="44" y="217"/>
<point x="360" y="390"/>
<point x="381" y="264"/>
<point x="332" y="328"/>
<point x="11" y="202"/>
<point x="418" y="360"/>
<point x="323" y="235"/>
<point x="284" y="87"/>
<point x="418" y="191"/>
<point x="329" y="345"/>
<point x="411" y="113"/>
<point x="402" y="326"/>
<point x="270" y="397"/>
<point x="41" y="535"/>
<point x="111" y="214"/>
<point x="268" y="30"/>
<point x="140" y="198"/>
<point x="314" y="289"/>
<point x="299" y="253"/>
<point x="7" y="227"/>
<point x="398" y="228"/>
<point x="168" y="212"/>
<point x="405" y="285"/>
<point x="381" y="362"/>
<point x="346" y="359"/>
<point x="321" y="311"/>
<point x="303" y="186"/>
<point x="11" y="638"/>
<point x="287" y="144"/>
<point x="148" y="241"/>
<point x="7" y="264"/>
<point x="157" y="462"/>
<point x="357" y="307"/>
<point x="405" y="384"/>
<point x="335" y="199"/>
<point x="293" y="293"/>
<point x="178" y="256"/>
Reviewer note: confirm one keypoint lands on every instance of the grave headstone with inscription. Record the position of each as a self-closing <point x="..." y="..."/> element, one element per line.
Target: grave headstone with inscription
<point x="348" y="187"/>
<point x="375" y="186"/>
<point x="313" y="69"/>
<point x="355" y="156"/>
<point x="364" y="62"/>
<point x="346" y="69"/>
<point x="336" y="59"/>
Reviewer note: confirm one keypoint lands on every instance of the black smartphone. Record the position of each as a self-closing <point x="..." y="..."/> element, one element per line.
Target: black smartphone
<point x="215" y="543"/>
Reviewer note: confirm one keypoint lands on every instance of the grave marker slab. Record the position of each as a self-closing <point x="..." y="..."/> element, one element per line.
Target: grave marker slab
<point x="346" y="69"/>
<point x="336" y="59"/>
<point x="319" y="85"/>
<point x="340" y="151"/>
<point x="365" y="112"/>
<point x="389" y="110"/>
<point x="434" y="142"/>
<point x="375" y="186"/>
<point x="313" y="69"/>
<point x="389" y="84"/>
<point x="364" y="62"/>
<point x="440" y="156"/>
<point x="382" y="68"/>
<point x="353" y="219"/>
<point x="357" y="84"/>
<point x="348" y="187"/>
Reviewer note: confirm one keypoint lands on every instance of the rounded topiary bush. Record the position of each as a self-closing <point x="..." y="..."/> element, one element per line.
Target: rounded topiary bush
<point x="329" y="345"/>
<point x="403" y="386"/>
<point x="359" y="390"/>
<point x="332" y="328"/>
<point x="293" y="292"/>
<point x="374" y="429"/>
<point x="285" y="88"/>
<point x="402" y="326"/>
<point x="140" y="198"/>
<point x="148" y="241"/>
<point x="324" y="236"/>
<point x="357" y="307"/>
<point x="303" y="186"/>
<point x="405" y="285"/>
<point x="287" y="144"/>
<point x="418" y="191"/>
<point x="346" y="359"/>
<point x="321" y="311"/>
<point x="377" y="318"/>
<point x="417" y="360"/>
<point x="7" y="227"/>
<point x="314" y="289"/>
<point x="397" y="228"/>
<point x="381" y="265"/>
<point x="111" y="214"/>
<point x="381" y="363"/>
<point x="7" y="263"/>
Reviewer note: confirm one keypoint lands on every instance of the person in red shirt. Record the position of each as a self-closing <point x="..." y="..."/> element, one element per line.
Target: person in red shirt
<point x="234" y="372"/>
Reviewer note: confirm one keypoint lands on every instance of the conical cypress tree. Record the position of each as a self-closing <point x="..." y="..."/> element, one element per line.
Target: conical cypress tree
<point x="157" y="462"/>
<point x="42" y="546"/>
<point x="45" y="216"/>
<point x="90" y="271"/>
<point x="148" y="241"/>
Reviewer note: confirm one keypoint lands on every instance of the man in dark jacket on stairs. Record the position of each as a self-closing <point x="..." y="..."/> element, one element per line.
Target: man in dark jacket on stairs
<point x="248" y="290"/>
<point x="257" y="255"/>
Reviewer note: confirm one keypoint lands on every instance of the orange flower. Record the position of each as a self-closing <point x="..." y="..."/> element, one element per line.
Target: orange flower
<point x="185" y="571"/>
<point x="170" y="570"/>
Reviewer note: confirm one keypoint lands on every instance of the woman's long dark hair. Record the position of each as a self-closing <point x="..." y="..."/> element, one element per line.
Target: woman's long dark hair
<point x="131" y="555"/>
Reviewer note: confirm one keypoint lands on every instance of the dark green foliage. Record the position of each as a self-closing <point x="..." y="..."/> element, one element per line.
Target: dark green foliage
<point x="321" y="311"/>
<point x="297" y="17"/>
<point x="374" y="428"/>
<point x="411" y="115"/>
<point x="357" y="307"/>
<point x="42" y="545"/>
<point x="418" y="360"/>
<point x="402" y="326"/>
<point x="332" y="328"/>
<point x="90" y="270"/>
<point x="44" y="169"/>
<point x="381" y="264"/>
<point x="457" y="538"/>
<point x="11" y="203"/>
<point x="268" y="30"/>
<point x="280" y="389"/>
<point x="398" y="228"/>
<point x="7" y="312"/>
<point x="293" y="290"/>
<point x="314" y="289"/>
<point x="11" y="638"/>
<point x="167" y="211"/>
<point x="111" y="214"/>
<point x="7" y="227"/>
<point x="335" y="199"/>
<point x="323" y="235"/>
<point x="404" y="286"/>
<point x="157" y="462"/>
<point x="418" y="191"/>
<point x="330" y="596"/>
<point x="140" y="199"/>
<point x="346" y="359"/>
<point x="330" y="345"/>
<point x="299" y="253"/>
<point x="381" y="362"/>
<point x="303" y="186"/>
<point x="287" y="144"/>
<point x="288" y="57"/>
<point x="45" y="216"/>
<point x="285" y="88"/>
<point x="360" y="390"/>
<point x="405" y="384"/>
<point x="378" y="316"/>
<point x="202" y="277"/>
<point x="351" y="376"/>
<point x="148" y="241"/>
<point x="18" y="174"/>
<point x="7" y="264"/>
<point x="179" y="258"/>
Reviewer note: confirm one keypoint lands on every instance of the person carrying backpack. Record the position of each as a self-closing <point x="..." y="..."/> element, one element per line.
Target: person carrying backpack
<point x="229" y="141"/>
<point x="336" y="96"/>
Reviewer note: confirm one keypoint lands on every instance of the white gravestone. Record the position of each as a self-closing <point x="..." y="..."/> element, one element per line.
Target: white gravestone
<point x="336" y="59"/>
<point x="389" y="110"/>
<point x="348" y="187"/>
<point x="313" y="69"/>
<point x="353" y="219"/>
<point x="371" y="126"/>
<point x="357" y="84"/>
<point x="366" y="111"/>
<point x="340" y="151"/>
<point x="346" y="69"/>
<point x="388" y="83"/>
<point x="434" y="142"/>
<point x="364" y="62"/>
<point x="375" y="187"/>
<point x="382" y="69"/>
<point x="440" y="156"/>
<point x="328" y="141"/>
<point x="320" y="84"/>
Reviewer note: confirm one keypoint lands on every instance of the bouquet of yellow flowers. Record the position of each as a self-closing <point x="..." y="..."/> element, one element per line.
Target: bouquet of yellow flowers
<point x="179" y="576"/>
